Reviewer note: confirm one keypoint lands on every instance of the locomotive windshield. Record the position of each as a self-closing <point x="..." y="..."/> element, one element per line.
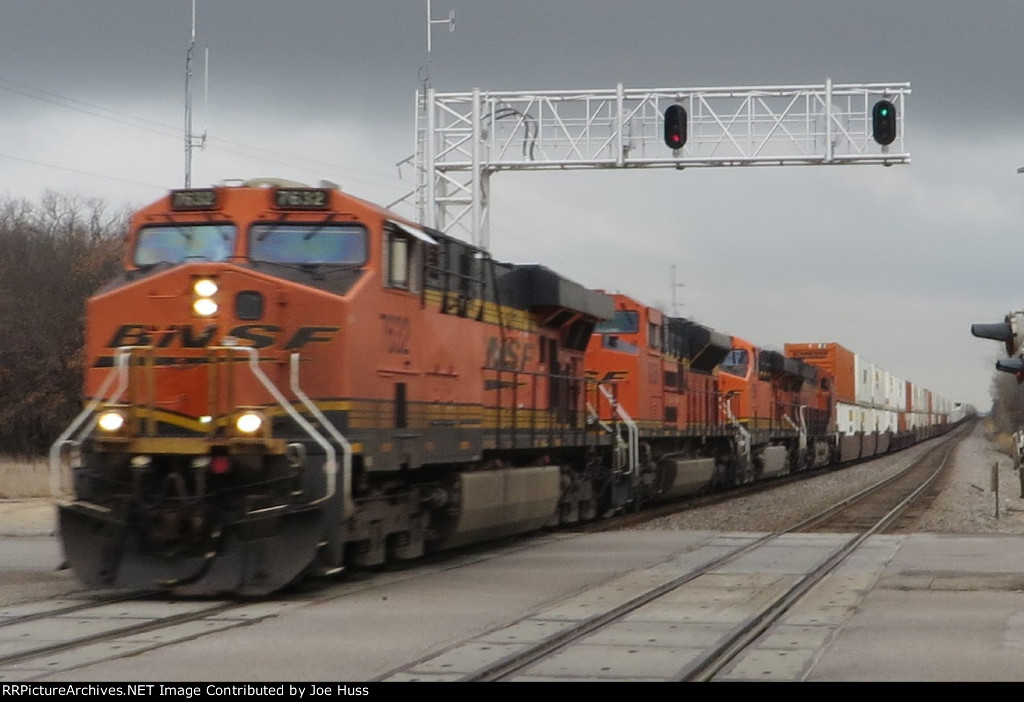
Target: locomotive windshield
<point x="736" y="363"/>
<point x="178" y="243"/>
<point x="622" y="322"/>
<point x="338" y="244"/>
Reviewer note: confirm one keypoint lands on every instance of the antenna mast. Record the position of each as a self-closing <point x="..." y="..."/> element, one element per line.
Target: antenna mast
<point x="191" y="140"/>
<point x="450" y="21"/>
<point x="675" y="286"/>
<point x="423" y="179"/>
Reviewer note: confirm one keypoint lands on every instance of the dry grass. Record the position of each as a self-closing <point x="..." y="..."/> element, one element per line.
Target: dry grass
<point x="1002" y="442"/>
<point x="24" y="477"/>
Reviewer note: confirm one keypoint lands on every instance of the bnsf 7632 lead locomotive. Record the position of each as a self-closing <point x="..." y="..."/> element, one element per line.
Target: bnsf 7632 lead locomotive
<point x="289" y="380"/>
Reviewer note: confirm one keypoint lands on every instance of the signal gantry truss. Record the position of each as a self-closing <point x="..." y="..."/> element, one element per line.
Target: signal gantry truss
<point x="463" y="138"/>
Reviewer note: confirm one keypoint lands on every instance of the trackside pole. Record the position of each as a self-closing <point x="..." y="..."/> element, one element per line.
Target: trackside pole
<point x="995" y="485"/>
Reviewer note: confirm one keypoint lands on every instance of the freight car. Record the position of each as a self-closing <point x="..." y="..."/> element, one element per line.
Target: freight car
<point x="287" y="381"/>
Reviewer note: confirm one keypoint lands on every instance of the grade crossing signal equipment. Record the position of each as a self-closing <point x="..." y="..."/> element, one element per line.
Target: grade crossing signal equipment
<point x="1009" y="331"/>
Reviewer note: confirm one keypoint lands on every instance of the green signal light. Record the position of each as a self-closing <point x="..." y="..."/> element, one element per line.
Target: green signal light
<point x="883" y="122"/>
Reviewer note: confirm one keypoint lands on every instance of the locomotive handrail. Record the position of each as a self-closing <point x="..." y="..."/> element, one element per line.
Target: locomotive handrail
<point x="595" y="418"/>
<point x="119" y="371"/>
<point x="744" y="443"/>
<point x="801" y="414"/>
<point x="800" y="429"/>
<point x="331" y="465"/>
<point x="631" y="429"/>
<point x="346" y="447"/>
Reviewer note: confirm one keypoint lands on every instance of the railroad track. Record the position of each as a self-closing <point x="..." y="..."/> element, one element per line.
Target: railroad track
<point x="888" y="505"/>
<point x="38" y="638"/>
<point x="41" y="638"/>
<point x="691" y="619"/>
<point x="628" y="520"/>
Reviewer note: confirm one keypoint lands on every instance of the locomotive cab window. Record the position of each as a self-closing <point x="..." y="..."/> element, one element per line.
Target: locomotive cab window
<point x="622" y="322"/>
<point x="736" y="363"/>
<point x="308" y="244"/>
<point x="403" y="256"/>
<point x="183" y="242"/>
<point x="654" y="336"/>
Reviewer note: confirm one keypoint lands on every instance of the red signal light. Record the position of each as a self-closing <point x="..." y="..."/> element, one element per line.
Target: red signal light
<point x="675" y="126"/>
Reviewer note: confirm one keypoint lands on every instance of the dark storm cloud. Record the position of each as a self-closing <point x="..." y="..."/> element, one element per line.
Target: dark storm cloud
<point x="895" y="263"/>
<point x="366" y="55"/>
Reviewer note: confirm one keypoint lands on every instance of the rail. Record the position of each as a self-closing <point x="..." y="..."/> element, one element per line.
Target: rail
<point x="702" y="663"/>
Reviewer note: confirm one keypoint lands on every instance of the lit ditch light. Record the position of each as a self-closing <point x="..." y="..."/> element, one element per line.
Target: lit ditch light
<point x="111" y="421"/>
<point x="249" y="423"/>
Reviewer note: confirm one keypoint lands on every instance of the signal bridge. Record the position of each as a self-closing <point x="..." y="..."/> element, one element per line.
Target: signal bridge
<point x="463" y="138"/>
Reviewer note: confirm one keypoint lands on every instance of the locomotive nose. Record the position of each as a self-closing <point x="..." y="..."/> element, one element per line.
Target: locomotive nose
<point x="998" y="331"/>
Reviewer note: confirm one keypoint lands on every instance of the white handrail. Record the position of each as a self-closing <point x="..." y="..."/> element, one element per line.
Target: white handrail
<point x="119" y="371"/>
<point x="346" y="447"/>
<point x="331" y="465"/>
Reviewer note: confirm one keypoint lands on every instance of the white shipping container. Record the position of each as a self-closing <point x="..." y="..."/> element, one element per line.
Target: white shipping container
<point x="847" y="418"/>
<point x="919" y="399"/>
<point x="895" y="394"/>
<point x="864" y="381"/>
<point x="881" y="381"/>
<point x="869" y="420"/>
<point x="884" y="419"/>
<point x="913" y="420"/>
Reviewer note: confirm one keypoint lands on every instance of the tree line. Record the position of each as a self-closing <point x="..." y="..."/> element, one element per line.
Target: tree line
<point x="54" y="254"/>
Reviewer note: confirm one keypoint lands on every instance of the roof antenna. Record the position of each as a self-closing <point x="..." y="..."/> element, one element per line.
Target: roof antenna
<point x="450" y="21"/>
<point x="192" y="140"/>
<point x="675" y="286"/>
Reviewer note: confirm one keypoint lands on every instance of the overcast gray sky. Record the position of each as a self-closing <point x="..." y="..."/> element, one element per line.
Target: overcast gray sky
<point x="894" y="263"/>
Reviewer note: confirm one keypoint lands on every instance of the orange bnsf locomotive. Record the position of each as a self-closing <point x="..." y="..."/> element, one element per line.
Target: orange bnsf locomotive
<point x="288" y="381"/>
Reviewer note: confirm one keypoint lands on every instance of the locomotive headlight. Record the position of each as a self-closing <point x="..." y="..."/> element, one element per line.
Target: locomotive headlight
<point x="248" y="422"/>
<point x="204" y="305"/>
<point x="204" y="287"/>
<point x="111" y="421"/>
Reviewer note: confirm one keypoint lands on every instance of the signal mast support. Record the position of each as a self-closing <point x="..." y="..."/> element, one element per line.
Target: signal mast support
<point x="464" y="138"/>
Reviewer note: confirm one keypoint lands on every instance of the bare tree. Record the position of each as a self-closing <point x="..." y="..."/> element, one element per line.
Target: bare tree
<point x="1007" y="403"/>
<point x="53" y="255"/>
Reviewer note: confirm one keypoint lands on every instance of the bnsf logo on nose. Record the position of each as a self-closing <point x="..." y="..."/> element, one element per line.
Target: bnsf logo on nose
<point x="259" y="336"/>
